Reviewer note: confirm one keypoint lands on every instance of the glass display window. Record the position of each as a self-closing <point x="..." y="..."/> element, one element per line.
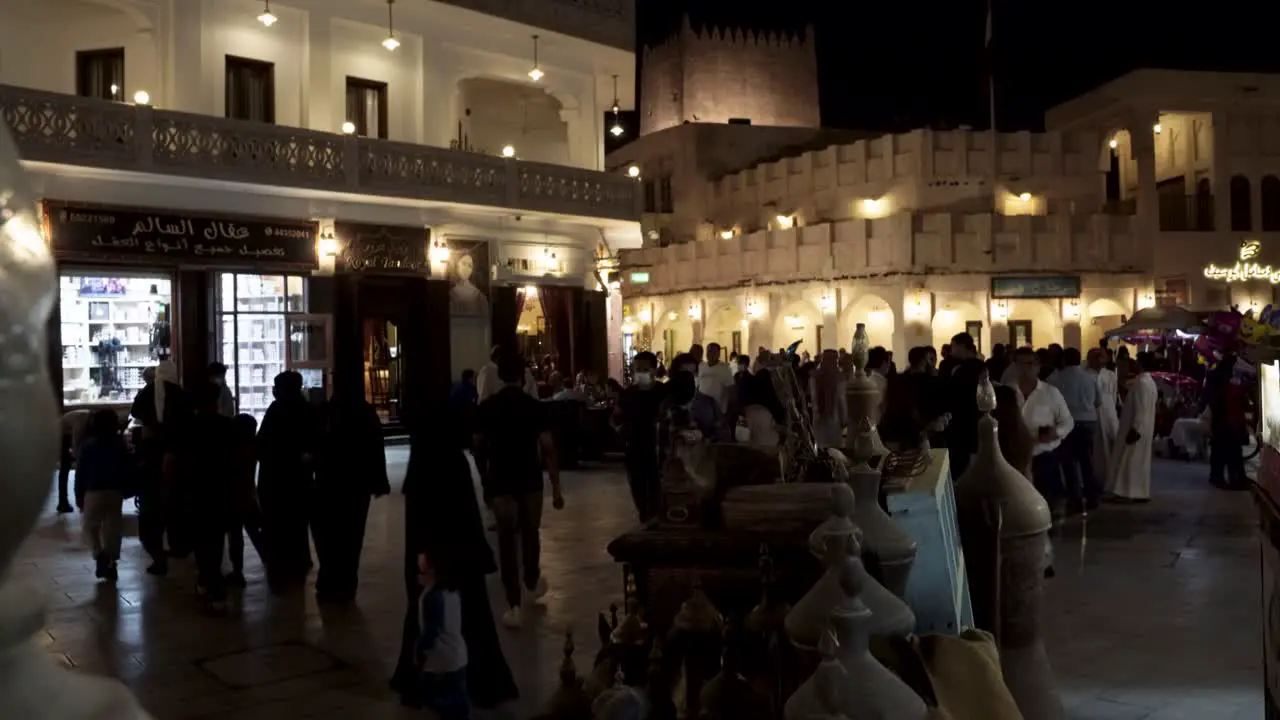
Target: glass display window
<point x="264" y="329"/>
<point x="113" y="327"/>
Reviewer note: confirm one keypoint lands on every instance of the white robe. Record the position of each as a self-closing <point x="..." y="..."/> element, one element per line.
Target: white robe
<point x="1130" y="469"/>
<point x="1108" y="421"/>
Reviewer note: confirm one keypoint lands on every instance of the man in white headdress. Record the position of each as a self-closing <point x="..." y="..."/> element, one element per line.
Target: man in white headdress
<point x="1129" y="479"/>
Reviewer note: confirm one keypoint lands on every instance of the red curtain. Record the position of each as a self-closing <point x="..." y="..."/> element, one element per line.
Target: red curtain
<point x="557" y="307"/>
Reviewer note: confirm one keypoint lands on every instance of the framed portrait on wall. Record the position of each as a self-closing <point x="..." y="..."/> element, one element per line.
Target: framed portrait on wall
<point x="468" y="275"/>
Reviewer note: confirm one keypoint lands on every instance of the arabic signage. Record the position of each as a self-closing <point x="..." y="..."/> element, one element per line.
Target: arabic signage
<point x="1035" y="287"/>
<point x="110" y="234"/>
<point x="1245" y="268"/>
<point x="381" y="248"/>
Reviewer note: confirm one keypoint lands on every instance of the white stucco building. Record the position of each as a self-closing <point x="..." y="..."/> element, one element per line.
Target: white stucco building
<point x="478" y="122"/>
<point x="1025" y="237"/>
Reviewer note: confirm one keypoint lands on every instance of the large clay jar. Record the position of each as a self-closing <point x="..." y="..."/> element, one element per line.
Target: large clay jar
<point x="810" y="616"/>
<point x="992" y="489"/>
<point x="871" y="691"/>
<point x="32" y="685"/>
<point x="894" y="549"/>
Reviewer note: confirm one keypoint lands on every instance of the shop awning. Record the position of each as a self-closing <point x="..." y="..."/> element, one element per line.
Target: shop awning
<point x="1159" y="320"/>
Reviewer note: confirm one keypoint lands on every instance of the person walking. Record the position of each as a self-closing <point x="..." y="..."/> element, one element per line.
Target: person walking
<point x="1046" y="414"/>
<point x="513" y="428"/>
<point x="102" y="473"/>
<point x="161" y="408"/>
<point x="1079" y="389"/>
<point x="286" y="442"/>
<point x="1129" y="478"/>
<point x="636" y="417"/>
<point x="1228" y="429"/>
<point x="351" y="468"/>
<point x="442" y="519"/>
<point x="830" y="408"/>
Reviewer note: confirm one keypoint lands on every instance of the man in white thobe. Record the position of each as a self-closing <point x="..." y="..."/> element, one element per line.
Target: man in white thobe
<point x="1129" y="479"/>
<point x="1108" y="419"/>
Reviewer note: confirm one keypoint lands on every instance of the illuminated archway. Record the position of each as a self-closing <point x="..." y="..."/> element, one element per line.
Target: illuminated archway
<point x="1046" y="325"/>
<point x="1100" y="316"/>
<point x="800" y="320"/>
<point x="952" y="318"/>
<point x="723" y="325"/>
<point x="674" y="335"/>
<point x="875" y="312"/>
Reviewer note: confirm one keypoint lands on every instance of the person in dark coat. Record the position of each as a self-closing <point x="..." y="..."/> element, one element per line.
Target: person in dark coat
<point x="351" y="467"/>
<point x="161" y="408"/>
<point x="286" y="442"/>
<point x="442" y="518"/>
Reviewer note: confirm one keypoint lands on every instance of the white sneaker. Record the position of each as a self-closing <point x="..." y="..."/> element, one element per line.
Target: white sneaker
<point x="539" y="589"/>
<point x="512" y="618"/>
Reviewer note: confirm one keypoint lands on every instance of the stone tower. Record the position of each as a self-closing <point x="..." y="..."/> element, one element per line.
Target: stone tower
<point x="715" y="74"/>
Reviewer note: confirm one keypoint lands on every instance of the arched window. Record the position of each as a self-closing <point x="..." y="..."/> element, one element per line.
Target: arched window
<point x="1203" y="205"/>
<point x="1241" y="204"/>
<point x="1271" y="203"/>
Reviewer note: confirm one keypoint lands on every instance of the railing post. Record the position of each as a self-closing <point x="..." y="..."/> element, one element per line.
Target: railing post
<point x="144" y="135"/>
<point x="351" y="161"/>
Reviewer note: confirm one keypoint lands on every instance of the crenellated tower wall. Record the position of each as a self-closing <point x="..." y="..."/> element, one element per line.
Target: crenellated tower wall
<point x="715" y="74"/>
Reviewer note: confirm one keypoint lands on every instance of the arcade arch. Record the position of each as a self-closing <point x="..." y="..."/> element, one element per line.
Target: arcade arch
<point x="1100" y="316"/>
<point x="724" y="326"/>
<point x="875" y="312"/>
<point x="800" y="320"/>
<point x="1040" y="316"/>
<point x="951" y="319"/>
<point x="674" y="336"/>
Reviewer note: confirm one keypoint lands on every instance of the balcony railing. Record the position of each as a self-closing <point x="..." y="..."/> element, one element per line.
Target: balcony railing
<point x="71" y="130"/>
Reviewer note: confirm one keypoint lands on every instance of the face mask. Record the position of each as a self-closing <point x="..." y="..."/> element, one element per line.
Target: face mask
<point x="644" y="379"/>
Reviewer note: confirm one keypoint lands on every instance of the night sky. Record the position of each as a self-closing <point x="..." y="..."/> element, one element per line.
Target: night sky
<point x="893" y="66"/>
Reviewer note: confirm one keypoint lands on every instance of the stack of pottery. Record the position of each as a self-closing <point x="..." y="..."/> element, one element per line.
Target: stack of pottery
<point x="809" y="618"/>
<point x="991" y="492"/>
<point x="871" y="691"/>
<point x="894" y="550"/>
<point x="570" y="700"/>
<point x="620" y="702"/>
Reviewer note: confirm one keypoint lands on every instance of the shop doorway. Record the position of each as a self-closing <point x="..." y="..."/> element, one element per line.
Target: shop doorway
<point x="383" y="371"/>
<point x="1020" y="333"/>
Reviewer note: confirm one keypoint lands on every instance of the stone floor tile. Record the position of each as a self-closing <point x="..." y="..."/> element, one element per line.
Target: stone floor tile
<point x="1154" y="613"/>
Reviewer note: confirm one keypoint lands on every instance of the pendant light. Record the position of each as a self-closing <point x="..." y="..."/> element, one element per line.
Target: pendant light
<point x="616" y="130"/>
<point x="391" y="43"/>
<point x="535" y="74"/>
<point x="267" y="17"/>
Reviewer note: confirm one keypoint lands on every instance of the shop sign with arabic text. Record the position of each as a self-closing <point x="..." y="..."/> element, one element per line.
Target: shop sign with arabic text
<point x="1245" y="268"/>
<point x="109" y="234"/>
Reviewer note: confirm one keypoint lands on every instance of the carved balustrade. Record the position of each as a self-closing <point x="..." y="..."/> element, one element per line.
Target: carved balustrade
<point x="71" y="130"/>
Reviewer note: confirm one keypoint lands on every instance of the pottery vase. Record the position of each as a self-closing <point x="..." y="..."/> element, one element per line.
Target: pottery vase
<point x="989" y="484"/>
<point x="894" y="549"/>
<point x="32" y="685"/>
<point x="870" y="691"/>
<point x="809" y="617"/>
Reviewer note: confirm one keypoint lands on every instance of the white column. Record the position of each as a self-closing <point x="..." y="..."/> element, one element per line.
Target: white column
<point x="1142" y="145"/>
<point x="321" y="112"/>
<point x="184" y="86"/>
<point x="1220" y="176"/>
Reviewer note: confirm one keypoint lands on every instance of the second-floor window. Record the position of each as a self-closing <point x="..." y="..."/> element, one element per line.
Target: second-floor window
<point x="251" y="90"/>
<point x="100" y="74"/>
<point x="367" y="107"/>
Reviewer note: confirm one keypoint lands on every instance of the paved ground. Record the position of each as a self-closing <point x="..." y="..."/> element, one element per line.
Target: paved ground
<point x="1154" y="615"/>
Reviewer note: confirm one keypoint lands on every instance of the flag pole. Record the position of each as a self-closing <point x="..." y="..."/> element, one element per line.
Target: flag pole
<point x="991" y="71"/>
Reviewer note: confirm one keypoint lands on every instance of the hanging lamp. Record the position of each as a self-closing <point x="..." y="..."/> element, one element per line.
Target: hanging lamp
<point x="391" y="43"/>
<point x="536" y="73"/>
<point x="616" y="130"/>
<point x="267" y="17"/>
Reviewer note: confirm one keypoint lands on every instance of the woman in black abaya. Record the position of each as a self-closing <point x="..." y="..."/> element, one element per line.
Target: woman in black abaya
<point x="442" y="518"/>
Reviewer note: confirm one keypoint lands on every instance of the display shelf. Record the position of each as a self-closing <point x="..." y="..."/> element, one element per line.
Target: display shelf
<point x="107" y="327"/>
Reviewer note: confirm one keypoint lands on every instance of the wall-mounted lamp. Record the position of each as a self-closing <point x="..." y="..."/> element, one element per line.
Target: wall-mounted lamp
<point x="349" y="128"/>
<point x="727" y="234"/>
<point x="508" y="151"/>
<point x="645" y="316"/>
<point x="633" y="171"/>
<point x="918" y="307"/>
<point x="530" y="291"/>
<point x="1146" y="299"/>
<point x="142" y="97"/>
<point x="1156" y="128"/>
<point x="999" y="310"/>
<point x="439" y="253"/>
<point x="873" y="207"/>
<point x="1025" y="197"/>
<point x="795" y="322"/>
<point x="673" y="315"/>
<point x="1071" y="310"/>
<point x="785" y="222"/>
<point x="327" y="251"/>
<point x="695" y="312"/>
<point x="827" y="303"/>
<point x="754" y="308"/>
<point x="1113" y="143"/>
